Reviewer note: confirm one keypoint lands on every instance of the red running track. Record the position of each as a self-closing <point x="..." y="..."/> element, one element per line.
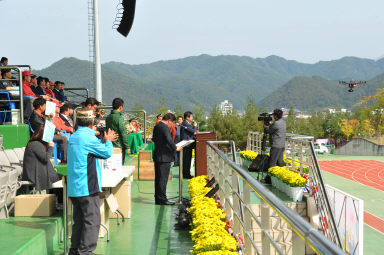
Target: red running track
<point x="367" y="172"/>
<point x="374" y="222"/>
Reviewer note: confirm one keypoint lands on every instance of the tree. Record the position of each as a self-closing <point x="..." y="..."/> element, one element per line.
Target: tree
<point x="199" y="116"/>
<point x="138" y="107"/>
<point x="178" y="110"/>
<point x="374" y="110"/>
<point x="355" y="126"/>
<point x="161" y="107"/>
<point x="367" y="129"/>
<point x="250" y="117"/>
<point x="291" y="121"/>
<point x="315" y="126"/>
<point x="346" y="128"/>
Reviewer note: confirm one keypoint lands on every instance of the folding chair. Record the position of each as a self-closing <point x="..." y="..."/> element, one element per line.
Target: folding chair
<point x="4" y="177"/>
<point x="20" y="153"/>
<point x="13" y="158"/>
<point x="13" y="186"/>
<point x="4" y="161"/>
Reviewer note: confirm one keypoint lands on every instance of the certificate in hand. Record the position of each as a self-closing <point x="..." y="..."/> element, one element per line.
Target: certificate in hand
<point x="50" y="108"/>
<point x="185" y="143"/>
<point x="49" y="131"/>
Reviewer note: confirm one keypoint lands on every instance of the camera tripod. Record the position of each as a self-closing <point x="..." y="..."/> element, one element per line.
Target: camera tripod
<point x="267" y="178"/>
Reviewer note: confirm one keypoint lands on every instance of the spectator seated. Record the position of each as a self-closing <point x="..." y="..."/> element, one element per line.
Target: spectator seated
<point x="59" y="91"/>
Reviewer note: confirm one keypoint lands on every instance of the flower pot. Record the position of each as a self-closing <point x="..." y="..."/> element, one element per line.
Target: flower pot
<point x="273" y="181"/>
<point x="246" y="163"/>
<point x="295" y="193"/>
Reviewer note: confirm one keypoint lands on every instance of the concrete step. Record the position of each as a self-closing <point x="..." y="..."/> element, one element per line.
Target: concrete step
<point x="286" y="248"/>
<point x="277" y="235"/>
<point x="299" y="207"/>
<point x="277" y="223"/>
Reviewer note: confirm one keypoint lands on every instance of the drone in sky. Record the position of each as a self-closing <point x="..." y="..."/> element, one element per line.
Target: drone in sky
<point x="352" y="84"/>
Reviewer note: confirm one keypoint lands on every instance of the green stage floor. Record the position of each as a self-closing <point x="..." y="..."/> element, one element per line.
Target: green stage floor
<point x="30" y="235"/>
<point x="150" y="230"/>
<point x="373" y="201"/>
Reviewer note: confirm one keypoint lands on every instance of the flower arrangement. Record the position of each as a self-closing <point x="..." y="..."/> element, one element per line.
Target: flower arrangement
<point x="248" y="155"/>
<point x="251" y="155"/>
<point x="208" y="222"/>
<point x="287" y="176"/>
<point x="219" y="253"/>
<point x="287" y="181"/>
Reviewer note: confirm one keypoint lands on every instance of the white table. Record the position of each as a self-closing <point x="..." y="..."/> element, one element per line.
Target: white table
<point x="109" y="179"/>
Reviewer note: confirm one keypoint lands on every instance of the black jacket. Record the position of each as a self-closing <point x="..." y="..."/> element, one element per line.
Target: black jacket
<point x="67" y="123"/>
<point x="37" y="167"/>
<point x="39" y="91"/>
<point x="35" y="120"/>
<point x="59" y="94"/>
<point x="164" y="145"/>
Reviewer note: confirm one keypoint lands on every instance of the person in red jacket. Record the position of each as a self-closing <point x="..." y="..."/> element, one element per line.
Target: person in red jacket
<point x="27" y="91"/>
<point x="159" y="118"/>
<point x="48" y="89"/>
<point x="59" y="122"/>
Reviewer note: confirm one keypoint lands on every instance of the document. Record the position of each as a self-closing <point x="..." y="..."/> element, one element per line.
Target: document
<point x="49" y="131"/>
<point x="50" y="108"/>
<point x="184" y="143"/>
<point x="15" y="91"/>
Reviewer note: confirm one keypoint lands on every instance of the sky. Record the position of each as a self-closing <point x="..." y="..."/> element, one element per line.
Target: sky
<point x="41" y="32"/>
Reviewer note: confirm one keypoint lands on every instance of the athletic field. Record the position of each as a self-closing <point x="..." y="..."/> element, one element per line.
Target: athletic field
<point x="362" y="177"/>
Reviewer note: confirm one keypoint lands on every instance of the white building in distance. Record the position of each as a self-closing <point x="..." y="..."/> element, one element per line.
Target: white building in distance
<point x="225" y="107"/>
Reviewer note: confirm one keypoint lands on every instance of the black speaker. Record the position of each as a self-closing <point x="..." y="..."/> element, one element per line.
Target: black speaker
<point x="127" y="17"/>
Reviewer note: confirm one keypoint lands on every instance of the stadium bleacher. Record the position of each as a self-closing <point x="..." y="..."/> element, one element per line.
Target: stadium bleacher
<point x="15" y="92"/>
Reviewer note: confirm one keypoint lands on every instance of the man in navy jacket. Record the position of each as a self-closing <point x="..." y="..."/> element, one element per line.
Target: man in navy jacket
<point x="187" y="132"/>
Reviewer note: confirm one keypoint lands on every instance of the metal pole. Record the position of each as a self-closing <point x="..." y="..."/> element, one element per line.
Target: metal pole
<point x="21" y="120"/>
<point x="327" y="204"/>
<point x="181" y="177"/>
<point x="65" y="215"/>
<point x="99" y="90"/>
<point x="145" y="127"/>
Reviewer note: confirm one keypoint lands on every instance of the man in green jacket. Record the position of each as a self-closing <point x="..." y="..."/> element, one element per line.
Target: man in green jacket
<point x="116" y="122"/>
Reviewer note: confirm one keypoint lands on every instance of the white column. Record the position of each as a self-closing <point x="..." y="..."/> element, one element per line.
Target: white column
<point x="99" y="90"/>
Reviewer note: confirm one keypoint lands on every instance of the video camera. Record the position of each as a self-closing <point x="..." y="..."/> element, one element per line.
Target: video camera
<point x="266" y="118"/>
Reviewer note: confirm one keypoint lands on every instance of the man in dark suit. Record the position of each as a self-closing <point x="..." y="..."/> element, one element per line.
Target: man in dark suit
<point x="163" y="155"/>
<point x="66" y="112"/>
<point x="187" y="132"/>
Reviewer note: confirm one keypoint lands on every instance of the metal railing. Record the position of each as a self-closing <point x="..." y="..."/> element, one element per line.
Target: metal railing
<point x="22" y="66"/>
<point x="235" y="193"/>
<point x="15" y="98"/>
<point x="255" y="138"/>
<point x="301" y="157"/>
<point x="73" y="94"/>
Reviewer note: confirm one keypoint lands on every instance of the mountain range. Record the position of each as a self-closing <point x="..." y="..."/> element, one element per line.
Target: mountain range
<point x="272" y="81"/>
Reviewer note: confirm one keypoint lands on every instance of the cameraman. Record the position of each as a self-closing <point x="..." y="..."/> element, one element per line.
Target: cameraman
<point x="277" y="132"/>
